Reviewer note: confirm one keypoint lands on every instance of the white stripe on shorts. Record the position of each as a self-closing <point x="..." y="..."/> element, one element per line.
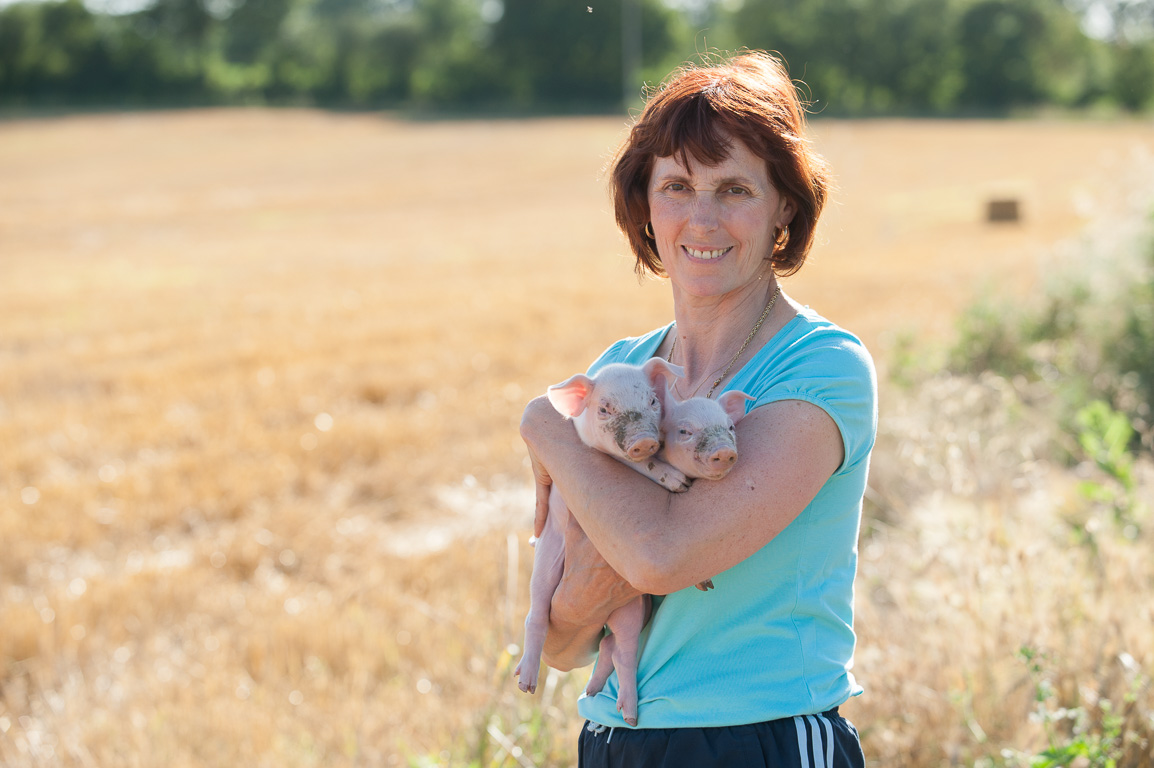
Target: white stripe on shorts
<point x="828" y="740"/>
<point x="802" y="747"/>
<point x="810" y="739"/>
<point x="818" y="755"/>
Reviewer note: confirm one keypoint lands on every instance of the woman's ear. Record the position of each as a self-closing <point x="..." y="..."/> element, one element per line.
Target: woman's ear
<point x="788" y="211"/>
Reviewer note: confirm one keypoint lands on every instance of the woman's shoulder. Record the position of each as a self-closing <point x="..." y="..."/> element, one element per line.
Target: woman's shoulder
<point x="816" y="360"/>
<point x="812" y="344"/>
<point x="809" y="328"/>
<point x="634" y="350"/>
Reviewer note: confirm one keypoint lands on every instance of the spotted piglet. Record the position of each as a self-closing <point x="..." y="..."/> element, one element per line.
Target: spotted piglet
<point x="617" y="411"/>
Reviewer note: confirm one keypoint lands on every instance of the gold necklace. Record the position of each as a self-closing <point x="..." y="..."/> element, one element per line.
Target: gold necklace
<point x="744" y="344"/>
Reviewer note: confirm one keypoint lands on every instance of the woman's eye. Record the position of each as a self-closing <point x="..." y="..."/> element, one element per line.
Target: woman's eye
<point x="738" y="191"/>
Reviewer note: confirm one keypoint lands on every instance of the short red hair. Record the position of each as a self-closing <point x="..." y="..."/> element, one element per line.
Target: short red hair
<point x="697" y="112"/>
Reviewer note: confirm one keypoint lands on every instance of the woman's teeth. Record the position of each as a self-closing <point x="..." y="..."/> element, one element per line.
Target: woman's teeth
<point x="705" y="254"/>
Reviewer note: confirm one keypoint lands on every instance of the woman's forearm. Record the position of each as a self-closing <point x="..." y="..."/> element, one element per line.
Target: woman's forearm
<point x="660" y="541"/>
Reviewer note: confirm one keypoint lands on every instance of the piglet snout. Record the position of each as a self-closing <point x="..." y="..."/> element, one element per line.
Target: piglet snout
<point x="643" y="448"/>
<point x="723" y="457"/>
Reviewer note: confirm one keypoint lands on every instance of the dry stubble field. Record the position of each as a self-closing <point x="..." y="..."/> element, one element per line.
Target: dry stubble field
<point x="262" y="500"/>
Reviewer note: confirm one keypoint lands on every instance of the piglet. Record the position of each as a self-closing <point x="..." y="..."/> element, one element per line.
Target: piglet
<point x="617" y="411"/>
<point x="700" y="442"/>
<point x="700" y="434"/>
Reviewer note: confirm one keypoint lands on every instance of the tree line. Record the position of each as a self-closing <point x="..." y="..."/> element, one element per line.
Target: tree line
<point x="856" y="57"/>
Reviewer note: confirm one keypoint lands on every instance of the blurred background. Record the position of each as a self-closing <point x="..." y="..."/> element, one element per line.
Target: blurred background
<point x="277" y="278"/>
<point x="860" y="58"/>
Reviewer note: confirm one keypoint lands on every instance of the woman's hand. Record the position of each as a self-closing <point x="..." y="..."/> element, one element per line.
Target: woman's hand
<point x="544" y="485"/>
<point x="532" y="421"/>
<point x="589" y="591"/>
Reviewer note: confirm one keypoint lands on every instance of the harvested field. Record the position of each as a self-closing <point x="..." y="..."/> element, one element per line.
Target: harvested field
<point x="262" y="497"/>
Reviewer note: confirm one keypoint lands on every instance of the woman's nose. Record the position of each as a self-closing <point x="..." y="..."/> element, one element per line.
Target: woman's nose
<point x="705" y="211"/>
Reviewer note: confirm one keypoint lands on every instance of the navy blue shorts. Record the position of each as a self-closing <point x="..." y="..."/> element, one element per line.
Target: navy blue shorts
<point x="827" y="740"/>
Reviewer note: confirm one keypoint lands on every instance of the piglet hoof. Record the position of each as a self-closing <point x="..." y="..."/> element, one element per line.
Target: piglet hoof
<point x="527" y="682"/>
<point x="674" y="481"/>
<point x="628" y="710"/>
<point x="706" y="585"/>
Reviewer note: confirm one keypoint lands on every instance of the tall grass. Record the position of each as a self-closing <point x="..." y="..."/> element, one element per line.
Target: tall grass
<point x="1023" y="563"/>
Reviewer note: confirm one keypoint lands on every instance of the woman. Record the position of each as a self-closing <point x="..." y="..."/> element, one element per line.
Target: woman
<point x="717" y="189"/>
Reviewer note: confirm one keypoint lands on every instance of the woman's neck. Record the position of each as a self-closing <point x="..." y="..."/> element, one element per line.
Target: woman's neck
<point x="710" y="331"/>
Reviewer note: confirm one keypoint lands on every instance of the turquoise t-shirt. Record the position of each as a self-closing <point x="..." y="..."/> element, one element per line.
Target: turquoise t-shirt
<point x="775" y="637"/>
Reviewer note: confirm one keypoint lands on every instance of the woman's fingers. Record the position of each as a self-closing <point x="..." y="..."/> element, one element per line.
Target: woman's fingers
<point x="543" y="483"/>
<point x="529" y="421"/>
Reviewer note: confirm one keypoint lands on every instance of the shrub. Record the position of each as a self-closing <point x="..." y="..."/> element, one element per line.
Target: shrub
<point x="1082" y="344"/>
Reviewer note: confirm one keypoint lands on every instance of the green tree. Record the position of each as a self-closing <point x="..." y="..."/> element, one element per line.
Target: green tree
<point x="1021" y="52"/>
<point x="253" y="28"/>
<point x="456" y="64"/>
<point x="19" y="40"/>
<point x="58" y="53"/>
<point x="1132" y="84"/>
<point x="862" y="56"/>
<point x="557" y="52"/>
<point x="185" y="24"/>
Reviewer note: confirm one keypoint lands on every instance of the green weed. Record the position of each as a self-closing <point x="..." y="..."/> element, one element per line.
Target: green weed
<point x="1091" y="738"/>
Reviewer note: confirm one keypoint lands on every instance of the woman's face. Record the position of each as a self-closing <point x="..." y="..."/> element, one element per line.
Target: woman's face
<point x="714" y="224"/>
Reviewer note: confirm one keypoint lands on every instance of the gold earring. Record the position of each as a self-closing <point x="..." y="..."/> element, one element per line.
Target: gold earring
<point x="649" y="230"/>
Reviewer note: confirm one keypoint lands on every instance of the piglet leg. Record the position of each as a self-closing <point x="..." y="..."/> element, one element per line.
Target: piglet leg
<point x="662" y="473"/>
<point x="626" y="623"/>
<point x="604" y="666"/>
<point x="548" y="566"/>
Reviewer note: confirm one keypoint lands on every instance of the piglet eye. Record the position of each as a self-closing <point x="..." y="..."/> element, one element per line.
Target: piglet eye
<point x="684" y="431"/>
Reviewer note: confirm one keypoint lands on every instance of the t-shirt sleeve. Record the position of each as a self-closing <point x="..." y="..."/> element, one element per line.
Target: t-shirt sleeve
<point x="613" y="354"/>
<point x="837" y="375"/>
<point x="634" y="350"/>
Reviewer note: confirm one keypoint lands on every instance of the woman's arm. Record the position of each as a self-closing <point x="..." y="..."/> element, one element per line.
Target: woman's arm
<point x="661" y="542"/>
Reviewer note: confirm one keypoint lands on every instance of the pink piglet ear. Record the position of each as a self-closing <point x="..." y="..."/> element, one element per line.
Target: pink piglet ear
<point x="734" y="404"/>
<point x="657" y="367"/>
<point x="665" y="393"/>
<point x="569" y="396"/>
